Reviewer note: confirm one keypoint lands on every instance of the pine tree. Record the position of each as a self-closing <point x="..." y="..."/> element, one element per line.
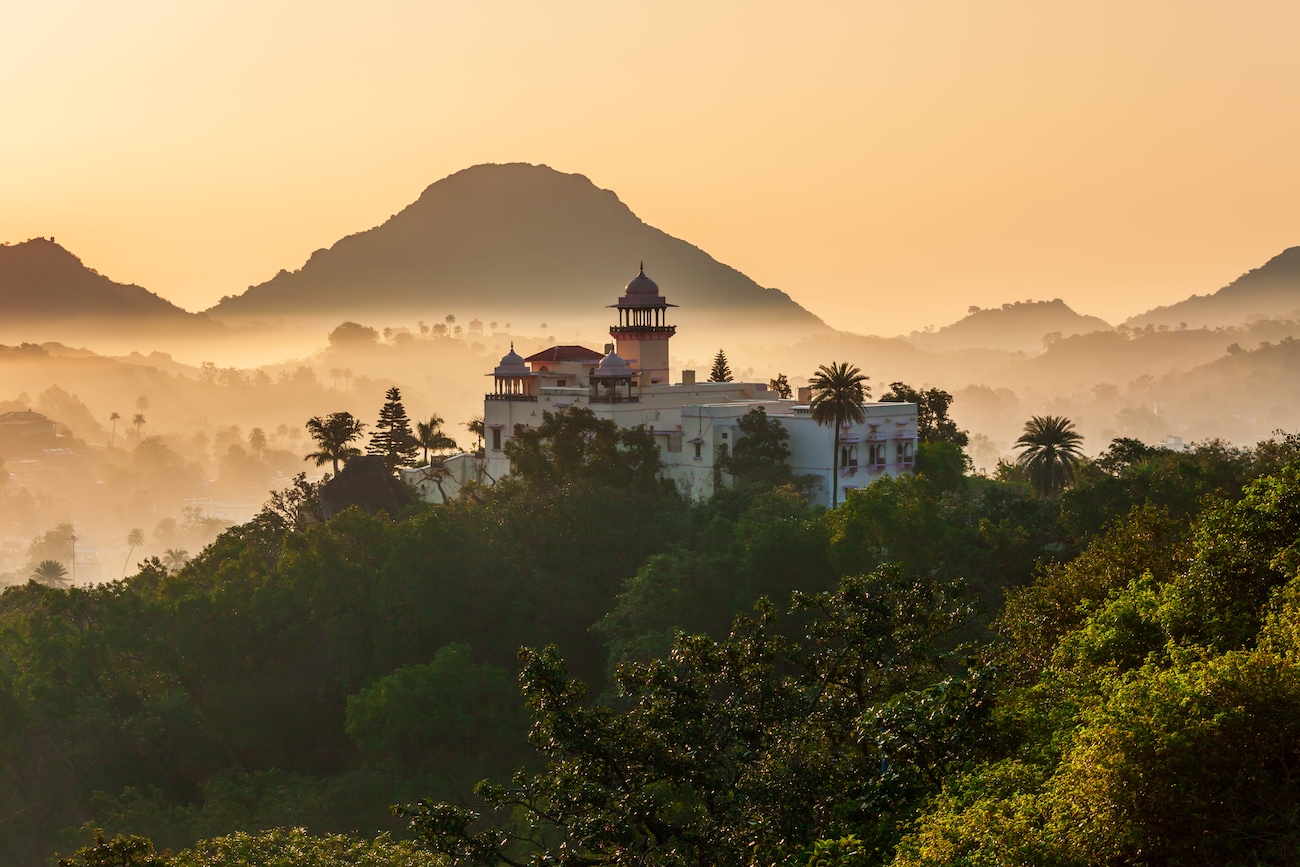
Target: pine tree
<point x="721" y="370"/>
<point x="392" y="439"/>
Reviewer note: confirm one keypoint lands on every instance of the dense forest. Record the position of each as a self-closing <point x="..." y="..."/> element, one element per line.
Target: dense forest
<point x="946" y="669"/>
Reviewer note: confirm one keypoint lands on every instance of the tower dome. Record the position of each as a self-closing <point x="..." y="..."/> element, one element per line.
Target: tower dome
<point x="642" y="286"/>
<point x="512" y="364"/>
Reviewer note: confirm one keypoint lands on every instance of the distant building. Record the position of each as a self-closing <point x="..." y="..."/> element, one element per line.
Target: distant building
<point x="693" y="423"/>
<point x="25" y="432"/>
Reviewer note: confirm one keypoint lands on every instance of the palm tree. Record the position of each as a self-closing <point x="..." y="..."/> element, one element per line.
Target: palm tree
<point x="838" y="395"/>
<point x="135" y="539"/>
<point x="257" y="441"/>
<point x="113" y="417"/>
<point x="138" y="421"/>
<point x="334" y="435"/>
<point x="175" y="558"/>
<point x="429" y="435"/>
<point x="1052" y="449"/>
<point x="475" y="426"/>
<point x="51" y="573"/>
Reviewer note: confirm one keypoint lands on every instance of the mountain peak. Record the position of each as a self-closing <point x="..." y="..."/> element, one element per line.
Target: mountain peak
<point x="41" y="281"/>
<point x="509" y="240"/>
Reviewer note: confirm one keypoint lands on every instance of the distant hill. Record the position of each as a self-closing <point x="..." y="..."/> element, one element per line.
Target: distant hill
<point x="1016" y="327"/>
<point x="511" y="242"/>
<point x="41" y="281"/>
<point x="47" y="292"/>
<point x="1269" y="291"/>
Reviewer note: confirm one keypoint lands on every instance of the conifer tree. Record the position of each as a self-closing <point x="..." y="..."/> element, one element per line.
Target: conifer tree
<point x="392" y="439"/>
<point x="721" y="370"/>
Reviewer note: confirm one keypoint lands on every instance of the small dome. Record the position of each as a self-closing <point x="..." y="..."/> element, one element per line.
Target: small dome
<point x="642" y="286"/>
<point x="512" y="364"/>
<point x="612" y="365"/>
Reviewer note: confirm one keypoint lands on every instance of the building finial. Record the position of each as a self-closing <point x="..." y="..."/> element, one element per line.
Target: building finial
<point x="643" y="268"/>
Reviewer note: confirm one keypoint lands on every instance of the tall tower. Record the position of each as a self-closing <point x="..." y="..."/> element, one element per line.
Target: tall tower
<point x="642" y="333"/>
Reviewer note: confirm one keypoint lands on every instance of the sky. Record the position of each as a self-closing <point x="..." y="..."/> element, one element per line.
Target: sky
<point x="886" y="164"/>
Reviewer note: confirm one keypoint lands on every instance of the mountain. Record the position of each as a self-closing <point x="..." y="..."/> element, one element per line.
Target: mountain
<point x="47" y="292"/>
<point x="513" y="241"/>
<point x="1016" y="327"/>
<point x="1267" y="292"/>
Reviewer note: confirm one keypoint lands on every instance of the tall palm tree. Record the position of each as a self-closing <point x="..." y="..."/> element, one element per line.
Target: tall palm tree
<point x="839" y="392"/>
<point x="113" y="417"/>
<point x="51" y="573"/>
<point x="1052" y="449"/>
<point x="138" y="421"/>
<point x="135" y="539"/>
<point x="334" y="436"/>
<point x="429" y="435"/>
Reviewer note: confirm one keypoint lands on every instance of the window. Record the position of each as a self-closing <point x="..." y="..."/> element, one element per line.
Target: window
<point x="905" y="454"/>
<point x="496" y="439"/>
<point x="848" y="456"/>
<point x="699" y="447"/>
<point x="877" y="454"/>
<point x="561" y="382"/>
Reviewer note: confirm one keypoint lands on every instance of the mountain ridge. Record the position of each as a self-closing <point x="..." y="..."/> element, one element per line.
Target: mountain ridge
<point x="1269" y="291"/>
<point x="1018" y="326"/>
<point x="40" y="280"/>
<point x="510" y="237"/>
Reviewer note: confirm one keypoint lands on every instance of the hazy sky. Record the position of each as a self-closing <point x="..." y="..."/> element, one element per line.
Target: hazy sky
<point x="887" y="164"/>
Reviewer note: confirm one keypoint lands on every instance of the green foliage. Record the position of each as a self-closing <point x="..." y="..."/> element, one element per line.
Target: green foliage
<point x="781" y="386"/>
<point x="942" y="462"/>
<point x="1136" y="702"/>
<point x="932" y="422"/>
<point x="334" y="436"/>
<point x="730" y="752"/>
<point x="574" y="446"/>
<point x="1052" y="449"/>
<point x="721" y="371"/>
<point x="447" y="712"/>
<point x="761" y="450"/>
<point x="392" y="438"/>
<point x="747" y="544"/>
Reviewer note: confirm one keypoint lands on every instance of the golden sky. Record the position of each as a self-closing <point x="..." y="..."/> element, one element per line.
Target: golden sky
<point x="887" y="164"/>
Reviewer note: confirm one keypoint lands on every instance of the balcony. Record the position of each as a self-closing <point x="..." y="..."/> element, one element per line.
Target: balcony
<point x="643" y="329"/>
<point x="529" y="398"/>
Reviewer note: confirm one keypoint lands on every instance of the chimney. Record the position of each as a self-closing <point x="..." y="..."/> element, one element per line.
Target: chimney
<point x="688" y="377"/>
<point x="805" y="394"/>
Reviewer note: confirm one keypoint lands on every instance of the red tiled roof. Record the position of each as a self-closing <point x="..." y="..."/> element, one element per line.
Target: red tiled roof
<point x="566" y="353"/>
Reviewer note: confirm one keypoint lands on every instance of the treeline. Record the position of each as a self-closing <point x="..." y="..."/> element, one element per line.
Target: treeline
<point x="305" y="673"/>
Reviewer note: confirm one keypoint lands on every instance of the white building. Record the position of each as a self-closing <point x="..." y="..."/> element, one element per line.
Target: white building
<point x="693" y="423"/>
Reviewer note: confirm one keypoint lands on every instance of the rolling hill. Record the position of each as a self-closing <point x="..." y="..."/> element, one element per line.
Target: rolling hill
<point x="1267" y="292"/>
<point x="1016" y="327"/>
<point x="48" y="293"/>
<point x="512" y="241"/>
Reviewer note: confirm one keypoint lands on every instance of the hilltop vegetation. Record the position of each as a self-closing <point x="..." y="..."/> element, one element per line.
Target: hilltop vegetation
<point x="302" y="673"/>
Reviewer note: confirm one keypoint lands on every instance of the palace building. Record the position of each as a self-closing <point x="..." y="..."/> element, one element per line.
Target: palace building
<point x="693" y="423"/>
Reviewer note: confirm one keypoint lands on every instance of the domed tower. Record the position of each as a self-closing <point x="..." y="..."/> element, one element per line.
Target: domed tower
<point x="642" y="333"/>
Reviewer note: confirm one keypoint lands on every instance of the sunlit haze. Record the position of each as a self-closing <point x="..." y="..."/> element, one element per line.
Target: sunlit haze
<point x="885" y="164"/>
